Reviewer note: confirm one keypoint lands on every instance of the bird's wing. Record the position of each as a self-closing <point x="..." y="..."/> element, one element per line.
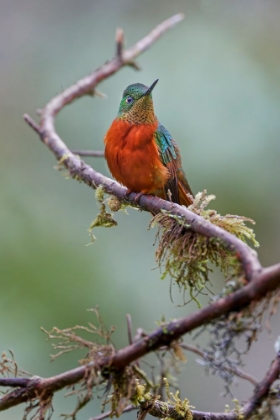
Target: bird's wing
<point x="169" y="157"/>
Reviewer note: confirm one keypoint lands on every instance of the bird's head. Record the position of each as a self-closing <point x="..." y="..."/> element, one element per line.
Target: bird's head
<point x="136" y="105"/>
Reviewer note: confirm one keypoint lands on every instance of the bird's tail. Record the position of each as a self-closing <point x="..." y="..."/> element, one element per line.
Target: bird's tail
<point x="185" y="193"/>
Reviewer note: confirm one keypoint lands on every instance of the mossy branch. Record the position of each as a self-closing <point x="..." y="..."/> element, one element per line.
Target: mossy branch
<point x="186" y="255"/>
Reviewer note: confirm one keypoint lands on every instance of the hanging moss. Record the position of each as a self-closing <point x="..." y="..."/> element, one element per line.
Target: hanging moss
<point x="186" y="256"/>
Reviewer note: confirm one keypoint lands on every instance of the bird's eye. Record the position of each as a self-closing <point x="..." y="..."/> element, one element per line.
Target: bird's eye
<point x="129" y="100"/>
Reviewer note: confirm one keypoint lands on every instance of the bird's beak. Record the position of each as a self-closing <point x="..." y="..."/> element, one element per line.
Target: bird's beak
<point x="150" y="88"/>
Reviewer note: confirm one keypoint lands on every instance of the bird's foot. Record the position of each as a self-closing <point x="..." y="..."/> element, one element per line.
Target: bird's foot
<point x="136" y="198"/>
<point x="128" y="191"/>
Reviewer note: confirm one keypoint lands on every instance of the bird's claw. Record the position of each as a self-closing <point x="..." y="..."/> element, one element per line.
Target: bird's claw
<point x="136" y="198"/>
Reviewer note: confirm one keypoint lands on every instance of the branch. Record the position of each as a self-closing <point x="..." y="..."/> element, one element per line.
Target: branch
<point x="36" y="386"/>
<point x="80" y="170"/>
<point x="91" y="153"/>
<point x="267" y="281"/>
<point x="263" y="388"/>
<point x="108" y="413"/>
<point x="15" y="382"/>
<point x="162" y="409"/>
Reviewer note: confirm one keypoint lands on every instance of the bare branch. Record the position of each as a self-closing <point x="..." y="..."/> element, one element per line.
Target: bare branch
<point x="32" y="123"/>
<point x="153" y="36"/>
<point x="263" y="388"/>
<point x="129" y="328"/>
<point x="119" y="43"/>
<point x="108" y="413"/>
<point x="90" y="153"/>
<point x="15" y="382"/>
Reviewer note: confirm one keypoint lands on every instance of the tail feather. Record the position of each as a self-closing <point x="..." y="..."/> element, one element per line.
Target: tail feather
<point x="185" y="193"/>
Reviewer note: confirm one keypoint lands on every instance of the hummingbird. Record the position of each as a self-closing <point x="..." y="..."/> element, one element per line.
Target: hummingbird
<point x="141" y="154"/>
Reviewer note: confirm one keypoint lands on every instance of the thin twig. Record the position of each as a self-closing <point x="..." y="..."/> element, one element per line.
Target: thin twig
<point x="32" y="123"/>
<point x="119" y="43"/>
<point x="129" y="328"/>
<point x="234" y="370"/>
<point x="108" y="413"/>
<point x="263" y="387"/>
<point x="90" y="153"/>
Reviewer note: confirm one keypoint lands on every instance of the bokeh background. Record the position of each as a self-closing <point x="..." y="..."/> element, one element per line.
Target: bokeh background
<point x="218" y="95"/>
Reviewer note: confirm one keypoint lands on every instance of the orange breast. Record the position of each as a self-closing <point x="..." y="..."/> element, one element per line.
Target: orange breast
<point x="133" y="157"/>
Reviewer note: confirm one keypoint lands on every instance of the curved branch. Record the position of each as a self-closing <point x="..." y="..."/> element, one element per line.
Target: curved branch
<point x="85" y="173"/>
<point x="263" y="388"/>
<point x="80" y="170"/>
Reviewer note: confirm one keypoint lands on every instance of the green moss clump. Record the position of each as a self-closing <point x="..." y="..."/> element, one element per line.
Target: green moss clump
<point x="187" y="256"/>
<point x="103" y="219"/>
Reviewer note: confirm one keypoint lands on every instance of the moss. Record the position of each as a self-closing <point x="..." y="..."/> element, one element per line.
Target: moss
<point x="181" y="407"/>
<point x="103" y="219"/>
<point x="187" y="256"/>
<point x="173" y="408"/>
<point x="238" y="409"/>
<point x="115" y="204"/>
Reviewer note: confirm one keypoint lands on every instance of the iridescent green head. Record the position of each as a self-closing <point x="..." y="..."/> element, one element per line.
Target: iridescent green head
<point x="136" y="105"/>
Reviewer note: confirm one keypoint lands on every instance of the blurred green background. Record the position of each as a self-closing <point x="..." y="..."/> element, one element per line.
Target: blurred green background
<point x="218" y="95"/>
